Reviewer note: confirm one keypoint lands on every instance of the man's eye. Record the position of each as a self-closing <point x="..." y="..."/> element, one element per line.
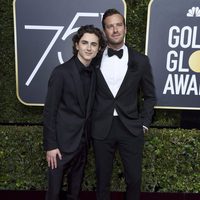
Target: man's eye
<point x="109" y="26"/>
<point x="119" y="24"/>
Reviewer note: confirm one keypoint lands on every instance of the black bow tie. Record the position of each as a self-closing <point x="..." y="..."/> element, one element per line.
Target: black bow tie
<point x="112" y="52"/>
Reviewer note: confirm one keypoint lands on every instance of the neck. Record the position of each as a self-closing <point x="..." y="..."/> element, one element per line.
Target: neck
<point x="84" y="62"/>
<point x="115" y="46"/>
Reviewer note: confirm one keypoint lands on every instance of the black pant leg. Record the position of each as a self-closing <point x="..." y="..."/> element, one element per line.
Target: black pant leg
<point x="72" y="163"/>
<point x="104" y="153"/>
<point x="131" y="150"/>
<point x="76" y="172"/>
<point x="55" y="178"/>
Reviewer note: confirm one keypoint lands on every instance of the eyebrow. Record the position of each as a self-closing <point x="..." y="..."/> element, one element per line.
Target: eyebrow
<point x="118" y="23"/>
<point x="89" y="42"/>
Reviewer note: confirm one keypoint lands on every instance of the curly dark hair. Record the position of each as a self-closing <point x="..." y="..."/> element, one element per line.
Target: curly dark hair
<point x="110" y="12"/>
<point x="88" y="29"/>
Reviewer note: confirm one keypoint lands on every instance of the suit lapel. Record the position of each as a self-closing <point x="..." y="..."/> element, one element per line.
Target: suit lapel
<point x="91" y="93"/>
<point x="79" y="87"/>
<point x="102" y="82"/>
<point x="132" y="68"/>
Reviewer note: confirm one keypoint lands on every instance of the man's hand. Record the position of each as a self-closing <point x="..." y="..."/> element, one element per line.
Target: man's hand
<point x="51" y="157"/>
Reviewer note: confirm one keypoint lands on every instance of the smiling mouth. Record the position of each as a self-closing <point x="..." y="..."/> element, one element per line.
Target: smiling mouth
<point x="87" y="53"/>
<point x="116" y="36"/>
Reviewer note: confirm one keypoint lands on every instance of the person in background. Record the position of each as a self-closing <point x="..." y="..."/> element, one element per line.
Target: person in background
<point x="120" y="117"/>
<point x="67" y="112"/>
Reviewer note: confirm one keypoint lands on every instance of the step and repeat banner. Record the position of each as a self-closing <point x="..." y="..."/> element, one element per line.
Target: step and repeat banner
<point x="173" y="45"/>
<point x="43" y="39"/>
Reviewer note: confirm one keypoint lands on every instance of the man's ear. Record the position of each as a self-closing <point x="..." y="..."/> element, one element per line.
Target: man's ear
<point x="76" y="45"/>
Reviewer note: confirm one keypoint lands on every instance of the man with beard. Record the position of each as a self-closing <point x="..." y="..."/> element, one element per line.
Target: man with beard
<point x="120" y="118"/>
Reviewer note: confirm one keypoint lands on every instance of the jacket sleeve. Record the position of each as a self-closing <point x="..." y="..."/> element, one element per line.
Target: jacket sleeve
<point x="53" y="98"/>
<point x="148" y="94"/>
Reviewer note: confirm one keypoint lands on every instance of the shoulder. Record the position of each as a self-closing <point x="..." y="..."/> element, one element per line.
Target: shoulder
<point x="64" y="68"/>
<point x="137" y="58"/>
<point x="136" y="54"/>
<point x="96" y="62"/>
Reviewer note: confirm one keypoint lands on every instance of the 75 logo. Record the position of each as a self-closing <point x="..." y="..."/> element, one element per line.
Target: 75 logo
<point x="43" y="33"/>
<point x="70" y="30"/>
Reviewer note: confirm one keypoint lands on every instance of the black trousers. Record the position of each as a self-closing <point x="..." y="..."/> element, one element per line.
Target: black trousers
<point x="130" y="148"/>
<point x="73" y="164"/>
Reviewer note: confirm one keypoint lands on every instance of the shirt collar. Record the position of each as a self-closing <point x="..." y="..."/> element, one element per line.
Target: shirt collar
<point x="81" y="67"/>
<point x="106" y="50"/>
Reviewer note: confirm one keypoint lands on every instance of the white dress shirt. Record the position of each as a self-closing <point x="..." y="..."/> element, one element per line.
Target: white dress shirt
<point x="114" y="70"/>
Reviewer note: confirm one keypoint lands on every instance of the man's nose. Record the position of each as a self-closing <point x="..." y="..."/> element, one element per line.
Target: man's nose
<point x="89" y="46"/>
<point x="115" y="29"/>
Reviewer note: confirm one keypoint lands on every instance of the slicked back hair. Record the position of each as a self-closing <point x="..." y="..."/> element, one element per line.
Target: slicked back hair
<point x="111" y="12"/>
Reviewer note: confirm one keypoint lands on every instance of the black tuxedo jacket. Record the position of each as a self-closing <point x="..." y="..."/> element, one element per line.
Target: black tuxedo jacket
<point x="137" y="88"/>
<point x="65" y="112"/>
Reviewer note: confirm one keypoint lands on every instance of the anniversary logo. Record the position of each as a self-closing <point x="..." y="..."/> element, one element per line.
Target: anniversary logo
<point x="173" y="45"/>
<point x="43" y="34"/>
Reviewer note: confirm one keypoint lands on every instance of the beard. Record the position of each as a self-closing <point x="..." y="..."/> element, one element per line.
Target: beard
<point x="114" y="42"/>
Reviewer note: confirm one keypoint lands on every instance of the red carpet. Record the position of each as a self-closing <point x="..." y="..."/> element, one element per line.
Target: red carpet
<point x="39" y="195"/>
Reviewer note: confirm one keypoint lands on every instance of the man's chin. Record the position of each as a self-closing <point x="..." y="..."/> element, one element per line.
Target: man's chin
<point x="116" y="43"/>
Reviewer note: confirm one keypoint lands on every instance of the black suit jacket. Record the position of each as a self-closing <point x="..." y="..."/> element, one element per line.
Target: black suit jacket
<point x="65" y="113"/>
<point x="137" y="81"/>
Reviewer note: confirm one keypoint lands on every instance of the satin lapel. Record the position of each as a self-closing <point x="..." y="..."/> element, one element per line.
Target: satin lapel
<point x="132" y="68"/>
<point x="91" y="93"/>
<point x="79" y="87"/>
<point x="102" y="82"/>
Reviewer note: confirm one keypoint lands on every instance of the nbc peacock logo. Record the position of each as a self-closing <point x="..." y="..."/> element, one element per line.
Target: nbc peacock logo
<point x="193" y="12"/>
